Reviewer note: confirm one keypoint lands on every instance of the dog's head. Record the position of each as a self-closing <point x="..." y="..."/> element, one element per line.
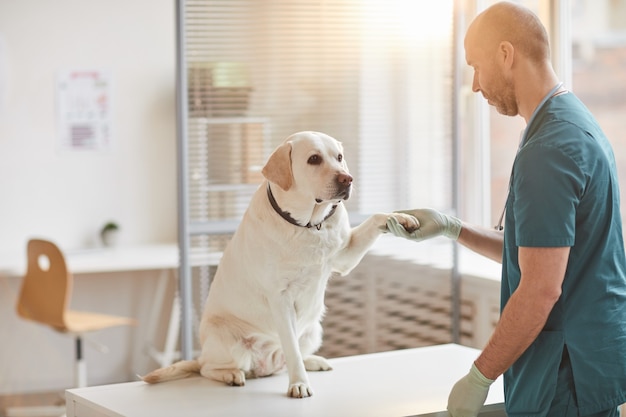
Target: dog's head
<point x="312" y="163"/>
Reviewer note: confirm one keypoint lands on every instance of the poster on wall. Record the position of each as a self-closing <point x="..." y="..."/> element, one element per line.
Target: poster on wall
<point x="84" y="109"/>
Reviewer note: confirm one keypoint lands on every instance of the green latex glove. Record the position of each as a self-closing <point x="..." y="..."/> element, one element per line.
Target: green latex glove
<point x="432" y="224"/>
<point x="469" y="394"/>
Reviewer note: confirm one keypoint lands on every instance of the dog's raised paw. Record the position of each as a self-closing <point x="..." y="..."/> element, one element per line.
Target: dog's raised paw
<point x="409" y="222"/>
<point x="299" y="390"/>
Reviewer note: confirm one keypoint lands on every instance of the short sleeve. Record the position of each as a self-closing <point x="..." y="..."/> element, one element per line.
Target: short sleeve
<point x="547" y="187"/>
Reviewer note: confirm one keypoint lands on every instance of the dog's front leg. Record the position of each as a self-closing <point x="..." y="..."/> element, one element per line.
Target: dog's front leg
<point x="284" y="314"/>
<point x="363" y="236"/>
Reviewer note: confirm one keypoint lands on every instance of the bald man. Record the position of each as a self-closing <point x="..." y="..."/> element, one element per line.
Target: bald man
<point x="561" y="338"/>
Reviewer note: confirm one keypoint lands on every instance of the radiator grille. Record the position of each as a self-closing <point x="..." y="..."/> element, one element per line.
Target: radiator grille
<point x="387" y="304"/>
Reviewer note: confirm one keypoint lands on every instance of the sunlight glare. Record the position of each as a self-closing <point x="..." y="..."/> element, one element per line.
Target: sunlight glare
<point x="421" y="20"/>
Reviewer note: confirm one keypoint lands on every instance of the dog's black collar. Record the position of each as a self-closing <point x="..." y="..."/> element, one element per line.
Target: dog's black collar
<point x="285" y="215"/>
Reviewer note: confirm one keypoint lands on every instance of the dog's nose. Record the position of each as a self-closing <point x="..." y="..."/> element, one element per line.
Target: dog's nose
<point x="345" y="179"/>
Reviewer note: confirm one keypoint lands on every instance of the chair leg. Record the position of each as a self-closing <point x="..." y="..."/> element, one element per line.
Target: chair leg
<point x="80" y="376"/>
<point x="80" y="365"/>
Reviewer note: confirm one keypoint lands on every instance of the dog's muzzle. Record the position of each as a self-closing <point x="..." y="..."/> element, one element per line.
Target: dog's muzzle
<point x="344" y="186"/>
<point x="344" y="193"/>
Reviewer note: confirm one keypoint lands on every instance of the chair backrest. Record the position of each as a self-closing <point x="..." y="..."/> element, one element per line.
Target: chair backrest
<point x="46" y="290"/>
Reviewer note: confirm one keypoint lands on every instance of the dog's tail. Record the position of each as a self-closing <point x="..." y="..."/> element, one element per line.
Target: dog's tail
<point x="178" y="370"/>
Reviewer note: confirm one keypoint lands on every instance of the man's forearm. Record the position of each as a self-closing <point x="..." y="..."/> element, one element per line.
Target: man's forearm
<point x="486" y="242"/>
<point x="519" y="325"/>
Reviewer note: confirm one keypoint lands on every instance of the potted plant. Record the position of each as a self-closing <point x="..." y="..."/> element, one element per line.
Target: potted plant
<point x="109" y="233"/>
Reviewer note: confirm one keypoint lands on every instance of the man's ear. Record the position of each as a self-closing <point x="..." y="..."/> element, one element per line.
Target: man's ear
<point x="278" y="167"/>
<point x="506" y="52"/>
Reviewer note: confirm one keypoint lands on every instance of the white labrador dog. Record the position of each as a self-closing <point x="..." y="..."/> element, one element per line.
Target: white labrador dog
<point x="266" y="302"/>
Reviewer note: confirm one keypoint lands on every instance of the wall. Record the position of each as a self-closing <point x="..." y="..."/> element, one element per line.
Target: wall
<point x="66" y="196"/>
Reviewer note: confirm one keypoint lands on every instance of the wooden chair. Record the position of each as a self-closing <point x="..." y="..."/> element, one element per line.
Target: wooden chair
<point x="44" y="298"/>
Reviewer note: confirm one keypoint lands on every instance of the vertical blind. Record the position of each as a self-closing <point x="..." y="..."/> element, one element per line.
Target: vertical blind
<point x="375" y="74"/>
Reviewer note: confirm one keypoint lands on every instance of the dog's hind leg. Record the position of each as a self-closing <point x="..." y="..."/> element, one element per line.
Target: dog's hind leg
<point x="316" y="363"/>
<point x="217" y="359"/>
<point x="310" y="341"/>
<point x="230" y="376"/>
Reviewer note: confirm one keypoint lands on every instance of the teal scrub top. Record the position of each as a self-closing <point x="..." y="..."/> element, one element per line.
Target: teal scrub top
<point x="564" y="192"/>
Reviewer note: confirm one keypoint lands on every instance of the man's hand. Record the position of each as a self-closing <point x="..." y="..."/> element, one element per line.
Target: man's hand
<point x="469" y="394"/>
<point x="432" y="224"/>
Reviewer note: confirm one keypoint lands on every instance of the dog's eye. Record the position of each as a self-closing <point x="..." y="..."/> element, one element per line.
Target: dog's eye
<point x="315" y="160"/>
<point x="340" y="157"/>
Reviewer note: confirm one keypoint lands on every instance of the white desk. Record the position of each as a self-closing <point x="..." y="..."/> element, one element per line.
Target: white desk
<point x="413" y="382"/>
<point x="102" y="260"/>
<point x="156" y="257"/>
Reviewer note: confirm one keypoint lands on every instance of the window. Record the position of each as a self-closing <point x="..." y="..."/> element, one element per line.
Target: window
<point x="376" y="75"/>
<point x="598" y="57"/>
<point x="379" y="76"/>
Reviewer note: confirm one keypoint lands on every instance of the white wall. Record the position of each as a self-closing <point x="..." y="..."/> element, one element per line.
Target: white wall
<point x="66" y="196"/>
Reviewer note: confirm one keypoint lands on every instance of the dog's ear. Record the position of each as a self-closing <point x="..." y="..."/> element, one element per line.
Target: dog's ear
<point x="278" y="167"/>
